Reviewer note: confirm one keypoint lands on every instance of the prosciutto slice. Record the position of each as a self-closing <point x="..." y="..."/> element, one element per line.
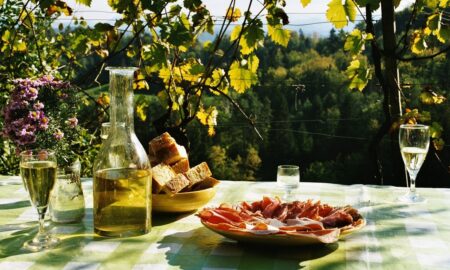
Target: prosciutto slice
<point x="270" y="216"/>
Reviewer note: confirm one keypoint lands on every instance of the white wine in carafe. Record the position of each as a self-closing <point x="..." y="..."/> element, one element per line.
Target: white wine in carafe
<point x="121" y="202"/>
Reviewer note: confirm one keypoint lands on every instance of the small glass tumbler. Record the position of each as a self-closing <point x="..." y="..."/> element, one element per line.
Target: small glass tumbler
<point x="288" y="177"/>
<point x="67" y="199"/>
<point x="104" y="132"/>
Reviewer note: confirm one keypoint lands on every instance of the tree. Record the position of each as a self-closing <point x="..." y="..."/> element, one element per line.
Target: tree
<point x="386" y="52"/>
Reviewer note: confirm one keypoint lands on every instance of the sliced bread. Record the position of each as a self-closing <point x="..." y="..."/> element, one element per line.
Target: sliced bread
<point x="176" y="184"/>
<point x="162" y="174"/>
<point x="198" y="173"/>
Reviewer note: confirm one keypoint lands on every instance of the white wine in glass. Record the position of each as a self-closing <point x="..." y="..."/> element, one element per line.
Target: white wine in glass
<point x="414" y="142"/>
<point x="38" y="171"/>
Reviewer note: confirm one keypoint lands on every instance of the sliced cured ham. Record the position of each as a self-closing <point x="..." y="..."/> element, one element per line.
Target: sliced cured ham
<point x="270" y="216"/>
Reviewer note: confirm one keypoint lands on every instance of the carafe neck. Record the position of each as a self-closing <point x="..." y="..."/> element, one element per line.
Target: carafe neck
<point x="122" y="103"/>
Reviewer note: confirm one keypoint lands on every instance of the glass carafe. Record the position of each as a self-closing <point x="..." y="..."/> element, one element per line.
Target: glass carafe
<point x="122" y="172"/>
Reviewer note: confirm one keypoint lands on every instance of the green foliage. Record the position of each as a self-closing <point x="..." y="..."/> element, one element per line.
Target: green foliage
<point x="279" y="35"/>
<point x="242" y="75"/>
<point x="340" y="14"/>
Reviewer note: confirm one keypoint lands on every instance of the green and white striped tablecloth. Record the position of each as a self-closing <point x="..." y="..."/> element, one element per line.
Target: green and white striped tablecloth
<point x="397" y="236"/>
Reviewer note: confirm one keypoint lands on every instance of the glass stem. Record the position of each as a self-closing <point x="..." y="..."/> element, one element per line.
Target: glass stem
<point x="412" y="187"/>
<point x="41" y="223"/>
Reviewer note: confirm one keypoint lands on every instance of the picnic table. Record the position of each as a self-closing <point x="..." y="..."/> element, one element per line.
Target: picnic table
<point x="397" y="236"/>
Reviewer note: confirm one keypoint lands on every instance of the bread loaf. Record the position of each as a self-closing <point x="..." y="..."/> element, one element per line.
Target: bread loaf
<point x="208" y="182"/>
<point x="160" y="142"/>
<point x="181" y="166"/>
<point x="171" y="171"/>
<point x="176" y="184"/>
<point x="172" y="153"/>
<point x="198" y="173"/>
<point x="162" y="174"/>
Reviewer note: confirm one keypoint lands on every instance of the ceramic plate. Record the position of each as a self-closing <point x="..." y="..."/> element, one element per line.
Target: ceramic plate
<point x="285" y="239"/>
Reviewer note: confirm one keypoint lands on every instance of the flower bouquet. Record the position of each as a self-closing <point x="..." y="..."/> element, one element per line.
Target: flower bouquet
<point x="42" y="113"/>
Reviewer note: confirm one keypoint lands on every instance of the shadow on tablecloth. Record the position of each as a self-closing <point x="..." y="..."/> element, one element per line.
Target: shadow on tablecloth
<point x="205" y="249"/>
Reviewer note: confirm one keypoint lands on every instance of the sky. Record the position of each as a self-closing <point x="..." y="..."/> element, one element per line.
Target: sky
<point x="311" y="20"/>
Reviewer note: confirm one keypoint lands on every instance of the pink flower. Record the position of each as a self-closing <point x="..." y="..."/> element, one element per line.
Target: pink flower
<point x="58" y="135"/>
<point x="72" y="122"/>
<point x="33" y="115"/>
<point x="43" y="123"/>
<point x="38" y="106"/>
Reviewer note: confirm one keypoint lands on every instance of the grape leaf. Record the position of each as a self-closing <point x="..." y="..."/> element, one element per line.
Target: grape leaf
<point x="233" y="14"/>
<point x="438" y="144"/>
<point x="305" y="2"/>
<point x="433" y="22"/>
<point x="444" y="3"/>
<point x="336" y="14"/>
<point x="419" y="43"/>
<point x="27" y="19"/>
<point x="20" y="46"/>
<point x="359" y="74"/>
<point x="443" y="35"/>
<point x="241" y="78"/>
<point x="141" y="110"/>
<point x="192" y="5"/>
<point x="431" y="3"/>
<point x="6" y="35"/>
<point x="208" y="118"/>
<point x="350" y="9"/>
<point x="279" y="35"/>
<point x="253" y="63"/>
<point x="251" y="38"/>
<point x="429" y="97"/>
<point x="84" y="2"/>
<point x="436" y="130"/>
<point x="235" y="33"/>
<point x="155" y="55"/>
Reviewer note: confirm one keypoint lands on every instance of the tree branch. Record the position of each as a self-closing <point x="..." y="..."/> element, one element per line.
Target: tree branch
<point x="404" y="39"/>
<point x="237" y="106"/>
<point x="431" y="56"/>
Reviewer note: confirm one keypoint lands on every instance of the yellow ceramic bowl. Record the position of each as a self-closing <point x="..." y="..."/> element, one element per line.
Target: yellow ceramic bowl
<point x="182" y="202"/>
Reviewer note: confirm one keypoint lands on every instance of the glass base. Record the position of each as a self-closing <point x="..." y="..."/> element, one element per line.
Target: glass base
<point x="41" y="242"/>
<point x="411" y="198"/>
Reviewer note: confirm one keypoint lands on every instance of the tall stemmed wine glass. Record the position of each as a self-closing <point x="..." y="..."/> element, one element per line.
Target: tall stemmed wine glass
<point x="38" y="171"/>
<point x="414" y="142"/>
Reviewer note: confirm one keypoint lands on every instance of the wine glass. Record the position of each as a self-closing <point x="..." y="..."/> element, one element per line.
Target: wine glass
<point x="414" y="142"/>
<point x="288" y="177"/>
<point x="38" y="171"/>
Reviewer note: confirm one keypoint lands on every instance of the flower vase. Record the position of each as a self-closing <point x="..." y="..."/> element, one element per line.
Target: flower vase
<point x="67" y="199"/>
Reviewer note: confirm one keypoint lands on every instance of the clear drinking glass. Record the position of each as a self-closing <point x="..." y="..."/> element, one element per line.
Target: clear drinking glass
<point x="67" y="198"/>
<point x="414" y="142"/>
<point x="38" y="170"/>
<point x="288" y="177"/>
<point x="104" y="132"/>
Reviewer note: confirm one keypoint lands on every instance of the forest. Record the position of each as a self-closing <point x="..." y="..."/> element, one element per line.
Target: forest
<point x="300" y="109"/>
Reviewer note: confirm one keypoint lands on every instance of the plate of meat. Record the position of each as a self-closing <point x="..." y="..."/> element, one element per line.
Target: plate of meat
<point x="291" y="223"/>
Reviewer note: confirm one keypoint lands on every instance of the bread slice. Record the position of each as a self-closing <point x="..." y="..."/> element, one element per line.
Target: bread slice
<point x="172" y="153"/>
<point x="181" y="166"/>
<point x="160" y="142"/>
<point x="208" y="182"/>
<point x="176" y="184"/>
<point x="198" y="173"/>
<point x="152" y="157"/>
<point x="162" y="174"/>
